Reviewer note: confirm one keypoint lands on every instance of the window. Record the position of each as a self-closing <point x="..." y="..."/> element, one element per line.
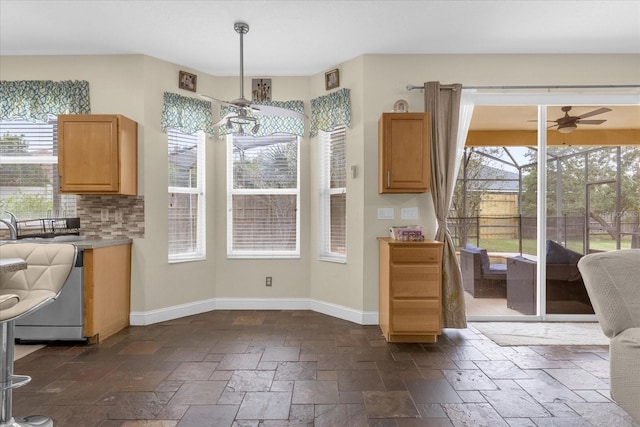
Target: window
<point x="332" y="224"/>
<point x="29" y="171"/>
<point x="186" y="196"/>
<point x="263" y="197"/>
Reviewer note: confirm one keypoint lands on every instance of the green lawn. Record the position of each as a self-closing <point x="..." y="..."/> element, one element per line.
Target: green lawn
<point x="601" y="243"/>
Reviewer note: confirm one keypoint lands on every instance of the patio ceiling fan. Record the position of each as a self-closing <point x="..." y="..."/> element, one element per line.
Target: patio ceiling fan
<point x="567" y="123"/>
<point x="243" y="112"/>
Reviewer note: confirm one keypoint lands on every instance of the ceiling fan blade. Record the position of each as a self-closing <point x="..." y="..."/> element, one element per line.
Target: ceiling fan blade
<point x="222" y="121"/>
<point x="594" y="112"/>
<point x="217" y="101"/>
<point x="270" y="110"/>
<point x="590" y="122"/>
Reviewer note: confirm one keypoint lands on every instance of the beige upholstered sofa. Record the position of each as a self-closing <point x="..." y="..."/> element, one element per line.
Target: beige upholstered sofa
<point x="612" y="280"/>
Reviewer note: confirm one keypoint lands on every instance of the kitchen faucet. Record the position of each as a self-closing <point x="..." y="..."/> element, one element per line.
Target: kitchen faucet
<point x="12" y="225"/>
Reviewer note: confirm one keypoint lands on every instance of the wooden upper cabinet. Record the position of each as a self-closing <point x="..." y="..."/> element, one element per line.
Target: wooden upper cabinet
<point x="97" y="154"/>
<point x="404" y="147"/>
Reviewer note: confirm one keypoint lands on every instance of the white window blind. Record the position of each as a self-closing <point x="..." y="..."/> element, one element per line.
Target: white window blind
<point x="186" y="210"/>
<point x="29" y="171"/>
<point x="263" y="197"/>
<point x="332" y="224"/>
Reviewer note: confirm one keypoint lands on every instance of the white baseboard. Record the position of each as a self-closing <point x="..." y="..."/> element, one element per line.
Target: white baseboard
<point x="142" y="318"/>
<point x="184" y="310"/>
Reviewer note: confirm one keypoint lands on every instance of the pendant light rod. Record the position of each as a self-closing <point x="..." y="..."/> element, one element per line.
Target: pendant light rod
<point x="242" y="29"/>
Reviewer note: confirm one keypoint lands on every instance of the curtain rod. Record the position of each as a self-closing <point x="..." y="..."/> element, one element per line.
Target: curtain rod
<point x="412" y="87"/>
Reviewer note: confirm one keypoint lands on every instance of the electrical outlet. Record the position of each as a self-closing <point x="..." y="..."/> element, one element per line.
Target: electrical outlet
<point x="104" y="215"/>
<point x="117" y="215"/>
<point x="268" y="281"/>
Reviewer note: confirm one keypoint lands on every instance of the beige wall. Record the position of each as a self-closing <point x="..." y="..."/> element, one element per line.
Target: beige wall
<point x="385" y="81"/>
<point x="133" y="85"/>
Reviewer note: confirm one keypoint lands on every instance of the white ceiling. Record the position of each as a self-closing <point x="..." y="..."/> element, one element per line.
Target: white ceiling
<point x="299" y="38"/>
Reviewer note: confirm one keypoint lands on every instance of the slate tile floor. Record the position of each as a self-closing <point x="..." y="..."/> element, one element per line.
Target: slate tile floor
<point x="301" y="368"/>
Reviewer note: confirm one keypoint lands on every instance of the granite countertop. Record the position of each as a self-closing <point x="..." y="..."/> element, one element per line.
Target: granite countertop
<point x="80" y="242"/>
<point x="97" y="242"/>
<point x="9" y="265"/>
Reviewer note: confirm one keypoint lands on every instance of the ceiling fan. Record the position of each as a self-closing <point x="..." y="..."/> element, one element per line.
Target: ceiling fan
<point x="243" y="112"/>
<point x="567" y="123"/>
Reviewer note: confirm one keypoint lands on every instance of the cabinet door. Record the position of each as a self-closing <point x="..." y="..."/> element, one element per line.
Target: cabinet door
<point x="404" y="153"/>
<point x="88" y="153"/>
<point x="107" y="284"/>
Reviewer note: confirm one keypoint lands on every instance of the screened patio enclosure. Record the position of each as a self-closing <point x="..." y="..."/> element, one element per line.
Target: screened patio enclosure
<point x="495" y="198"/>
<point x="590" y="196"/>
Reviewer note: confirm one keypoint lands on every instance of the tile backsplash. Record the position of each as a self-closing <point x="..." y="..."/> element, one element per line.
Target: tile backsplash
<point x="111" y="216"/>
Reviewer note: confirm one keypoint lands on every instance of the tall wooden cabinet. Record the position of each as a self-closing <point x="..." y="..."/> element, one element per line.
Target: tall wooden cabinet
<point x="97" y="154"/>
<point x="404" y="153"/>
<point x="410" y="290"/>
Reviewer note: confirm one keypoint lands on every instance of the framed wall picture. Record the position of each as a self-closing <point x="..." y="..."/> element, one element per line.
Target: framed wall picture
<point x="332" y="79"/>
<point x="261" y="90"/>
<point x="187" y="81"/>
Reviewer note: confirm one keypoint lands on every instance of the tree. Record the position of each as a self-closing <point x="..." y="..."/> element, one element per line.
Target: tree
<point x="467" y="196"/>
<point x="568" y="196"/>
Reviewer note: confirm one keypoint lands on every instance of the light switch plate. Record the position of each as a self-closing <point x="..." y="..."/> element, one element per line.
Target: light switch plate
<point x="409" y="213"/>
<point x="386" y="213"/>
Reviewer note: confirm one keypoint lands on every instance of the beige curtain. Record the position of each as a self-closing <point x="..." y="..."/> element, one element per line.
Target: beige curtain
<point x="443" y="102"/>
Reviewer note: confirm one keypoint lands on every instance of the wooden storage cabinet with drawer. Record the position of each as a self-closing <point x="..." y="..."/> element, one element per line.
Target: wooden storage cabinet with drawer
<point x="97" y="154"/>
<point x="410" y="290"/>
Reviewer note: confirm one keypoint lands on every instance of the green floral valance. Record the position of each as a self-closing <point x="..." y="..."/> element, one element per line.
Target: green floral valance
<point x="330" y="111"/>
<point x="270" y="125"/>
<point x="35" y="100"/>
<point x="188" y="115"/>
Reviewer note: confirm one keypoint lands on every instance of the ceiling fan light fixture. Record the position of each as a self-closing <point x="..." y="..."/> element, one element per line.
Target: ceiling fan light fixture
<point x="567" y="127"/>
<point x="242" y="109"/>
<point x="242" y="120"/>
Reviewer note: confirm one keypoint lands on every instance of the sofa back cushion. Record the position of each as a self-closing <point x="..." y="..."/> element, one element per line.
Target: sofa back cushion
<point x="612" y="280"/>
<point x="558" y="254"/>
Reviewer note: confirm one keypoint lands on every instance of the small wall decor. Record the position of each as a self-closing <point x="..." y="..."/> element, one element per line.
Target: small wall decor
<point x="261" y="89"/>
<point x="187" y="81"/>
<point x="401" y="106"/>
<point x="332" y="79"/>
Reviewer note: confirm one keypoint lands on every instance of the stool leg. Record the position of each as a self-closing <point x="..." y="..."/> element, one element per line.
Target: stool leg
<point x="7" y="385"/>
<point x="6" y="371"/>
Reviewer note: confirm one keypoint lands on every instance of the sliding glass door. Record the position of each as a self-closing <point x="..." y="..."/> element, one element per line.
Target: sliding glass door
<point x="541" y="185"/>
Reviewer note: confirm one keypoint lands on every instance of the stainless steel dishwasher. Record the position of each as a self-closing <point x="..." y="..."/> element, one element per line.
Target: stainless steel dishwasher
<point x="61" y="320"/>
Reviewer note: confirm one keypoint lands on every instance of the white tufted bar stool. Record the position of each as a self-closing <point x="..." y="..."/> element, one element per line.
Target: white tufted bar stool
<point x="23" y="292"/>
